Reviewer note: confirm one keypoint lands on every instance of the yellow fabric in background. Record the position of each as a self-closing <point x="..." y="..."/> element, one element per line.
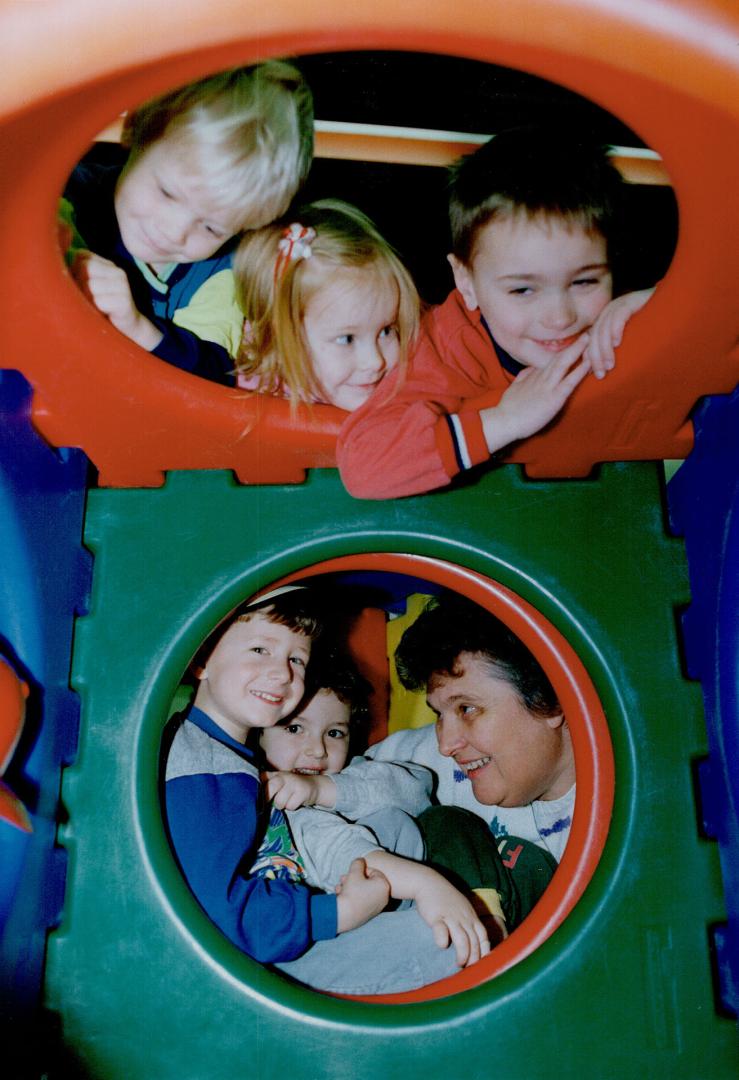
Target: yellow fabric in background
<point x="408" y="708"/>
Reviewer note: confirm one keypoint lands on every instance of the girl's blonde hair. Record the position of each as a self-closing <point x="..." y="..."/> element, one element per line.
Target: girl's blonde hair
<point x="273" y="292"/>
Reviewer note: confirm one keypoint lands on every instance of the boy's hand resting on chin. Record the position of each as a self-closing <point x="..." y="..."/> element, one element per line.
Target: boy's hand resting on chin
<point x="535" y="397"/>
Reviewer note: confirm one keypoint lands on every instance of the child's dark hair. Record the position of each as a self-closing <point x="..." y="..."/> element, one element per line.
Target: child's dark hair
<point x="332" y="669"/>
<point x="536" y="172"/>
<point x="296" y="608"/>
<point x="451" y="625"/>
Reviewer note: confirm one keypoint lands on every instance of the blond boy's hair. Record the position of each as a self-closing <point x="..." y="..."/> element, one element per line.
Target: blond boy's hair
<point x="250" y="129"/>
<point x="275" y="354"/>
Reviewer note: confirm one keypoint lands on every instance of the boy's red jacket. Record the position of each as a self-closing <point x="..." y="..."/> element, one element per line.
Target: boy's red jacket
<point x="418" y="431"/>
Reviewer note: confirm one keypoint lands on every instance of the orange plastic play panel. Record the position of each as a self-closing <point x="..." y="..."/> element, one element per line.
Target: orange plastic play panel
<point x="668" y="70"/>
<point x="13" y="695"/>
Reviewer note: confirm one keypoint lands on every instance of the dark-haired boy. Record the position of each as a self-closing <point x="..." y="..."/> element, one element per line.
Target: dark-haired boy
<point x="305" y="752"/>
<point x="532" y="218"/>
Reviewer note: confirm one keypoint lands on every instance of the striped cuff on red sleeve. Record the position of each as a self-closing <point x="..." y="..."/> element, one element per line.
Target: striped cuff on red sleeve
<point x="461" y="441"/>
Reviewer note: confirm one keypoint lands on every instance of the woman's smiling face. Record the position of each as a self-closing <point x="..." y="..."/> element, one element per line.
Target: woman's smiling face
<point x="511" y="755"/>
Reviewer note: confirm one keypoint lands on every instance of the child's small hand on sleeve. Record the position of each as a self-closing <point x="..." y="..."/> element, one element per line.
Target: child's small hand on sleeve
<point x="607" y="331"/>
<point x="289" y="791"/>
<point x="452" y="919"/>
<point x="361" y="894"/>
<point x="535" y="397"/>
<point x="106" y="285"/>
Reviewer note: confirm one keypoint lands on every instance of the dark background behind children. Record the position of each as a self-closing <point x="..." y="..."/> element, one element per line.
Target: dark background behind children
<point x="446" y="93"/>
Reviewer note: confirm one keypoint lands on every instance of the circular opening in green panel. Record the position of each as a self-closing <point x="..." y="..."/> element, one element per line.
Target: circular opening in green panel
<point x="373" y="591"/>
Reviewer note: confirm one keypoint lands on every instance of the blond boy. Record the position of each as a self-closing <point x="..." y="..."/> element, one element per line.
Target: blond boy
<point x="152" y="237"/>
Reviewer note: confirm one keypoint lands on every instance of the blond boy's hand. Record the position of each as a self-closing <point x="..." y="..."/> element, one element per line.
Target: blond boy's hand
<point x="106" y="285"/>
<point x="606" y="333"/>
<point x="361" y="894"/>
<point x="535" y="397"/>
<point x="289" y="791"/>
<point x="452" y="919"/>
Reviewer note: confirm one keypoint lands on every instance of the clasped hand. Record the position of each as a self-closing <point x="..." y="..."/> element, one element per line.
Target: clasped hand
<point x="290" y="791"/>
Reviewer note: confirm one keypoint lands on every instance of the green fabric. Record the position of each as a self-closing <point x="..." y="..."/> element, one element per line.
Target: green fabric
<point x="74" y="240"/>
<point x="277" y="856"/>
<point x="461" y="847"/>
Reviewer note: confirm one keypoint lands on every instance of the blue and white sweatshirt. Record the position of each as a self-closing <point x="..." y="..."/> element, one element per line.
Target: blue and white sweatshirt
<point x="193" y="304"/>
<point x="216" y="825"/>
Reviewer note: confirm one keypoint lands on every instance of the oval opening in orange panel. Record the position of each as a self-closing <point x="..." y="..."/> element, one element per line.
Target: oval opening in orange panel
<point x="590" y="739"/>
<point x="620" y="57"/>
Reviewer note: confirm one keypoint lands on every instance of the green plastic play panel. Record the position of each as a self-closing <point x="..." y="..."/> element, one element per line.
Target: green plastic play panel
<point x="146" y="987"/>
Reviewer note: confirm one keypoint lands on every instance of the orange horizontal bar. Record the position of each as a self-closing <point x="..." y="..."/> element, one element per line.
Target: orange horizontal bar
<point x="407" y="150"/>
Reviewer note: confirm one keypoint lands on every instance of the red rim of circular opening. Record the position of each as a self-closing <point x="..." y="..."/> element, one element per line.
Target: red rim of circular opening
<point x="590" y="739"/>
